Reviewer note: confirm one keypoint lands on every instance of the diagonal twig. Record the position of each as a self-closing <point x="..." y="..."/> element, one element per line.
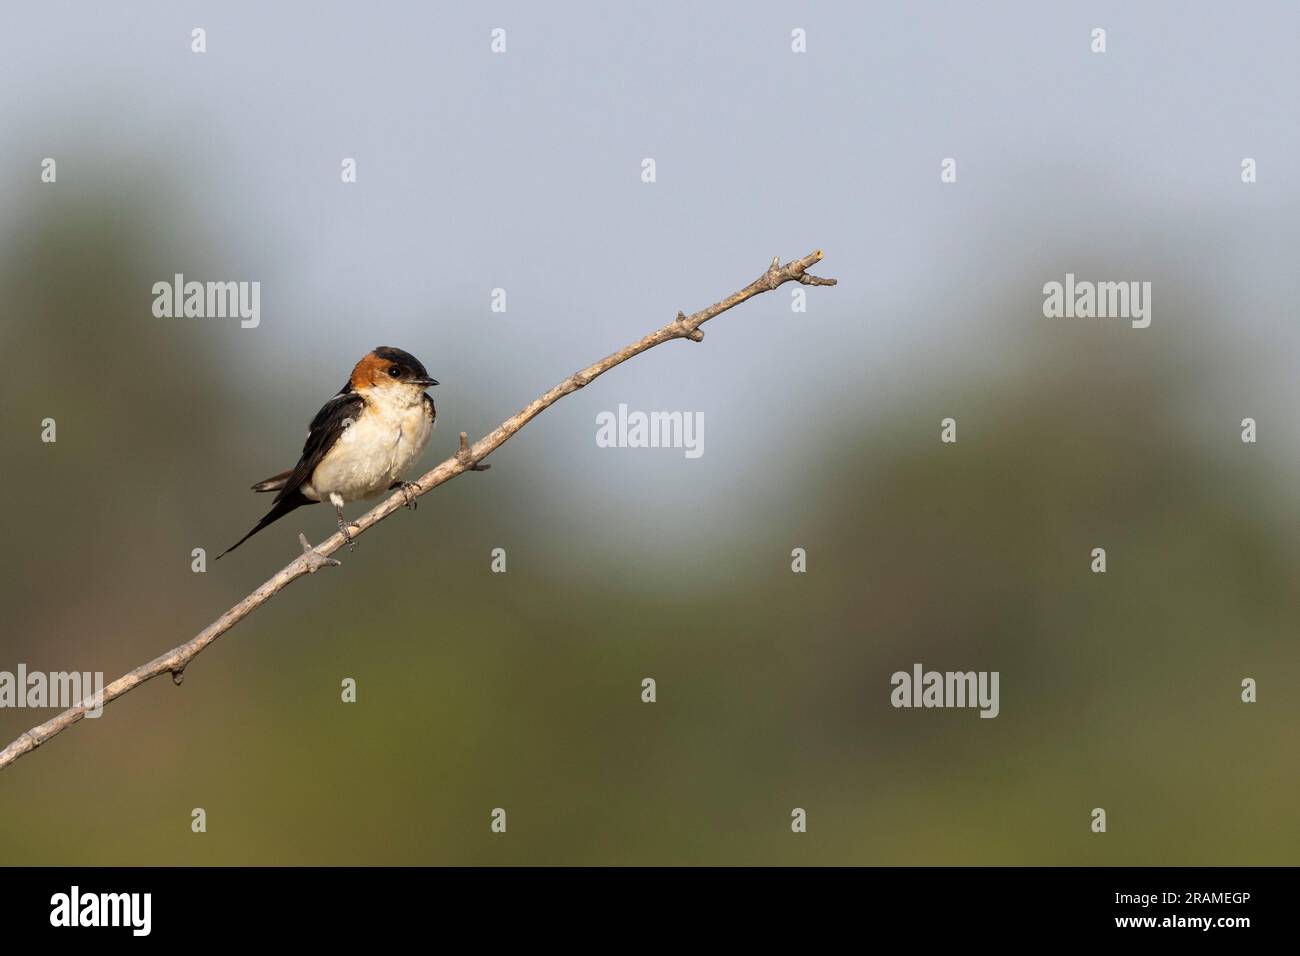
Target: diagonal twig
<point x="467" y="458"/>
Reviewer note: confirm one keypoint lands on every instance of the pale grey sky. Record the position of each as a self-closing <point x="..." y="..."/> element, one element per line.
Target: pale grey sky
<point x="521" y="171"/>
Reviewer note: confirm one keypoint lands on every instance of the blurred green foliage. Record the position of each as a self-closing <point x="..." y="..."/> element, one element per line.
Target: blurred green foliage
<point x="522" y="691"/>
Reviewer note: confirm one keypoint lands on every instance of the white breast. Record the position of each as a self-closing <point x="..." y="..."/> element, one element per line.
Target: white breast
<point x="374" y="451"/>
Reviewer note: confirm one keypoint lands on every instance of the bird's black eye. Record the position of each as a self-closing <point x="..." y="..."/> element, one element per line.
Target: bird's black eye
<point x="395" y="372"/>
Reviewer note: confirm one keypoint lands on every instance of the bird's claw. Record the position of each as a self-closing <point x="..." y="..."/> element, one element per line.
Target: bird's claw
<point x="344" y="524"/>
<point x="408" y="493"/>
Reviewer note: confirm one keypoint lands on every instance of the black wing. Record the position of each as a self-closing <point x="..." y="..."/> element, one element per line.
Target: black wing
<point x="339" y="413"/>
<point x="430" y="412"/>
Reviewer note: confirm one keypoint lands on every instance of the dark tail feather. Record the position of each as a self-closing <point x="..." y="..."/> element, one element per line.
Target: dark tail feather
<point x="282" y="508"/>
<point x="275" y="482"/>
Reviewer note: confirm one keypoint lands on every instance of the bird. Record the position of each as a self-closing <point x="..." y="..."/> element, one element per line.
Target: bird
<point x="360" y="442"/>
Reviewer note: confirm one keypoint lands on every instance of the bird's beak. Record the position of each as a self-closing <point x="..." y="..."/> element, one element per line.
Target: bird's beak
<point x="426" y="382"/>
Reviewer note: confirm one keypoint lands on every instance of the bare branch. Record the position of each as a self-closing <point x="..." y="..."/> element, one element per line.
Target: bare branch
<point x="467" y="458"/>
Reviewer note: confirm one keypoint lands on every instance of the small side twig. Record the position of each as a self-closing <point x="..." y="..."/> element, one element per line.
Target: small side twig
<point x="466" y="455"/>
<point x="312" y="558"/>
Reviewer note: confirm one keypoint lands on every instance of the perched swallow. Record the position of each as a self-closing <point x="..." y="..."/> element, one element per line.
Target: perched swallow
<point x="360" y="442"/>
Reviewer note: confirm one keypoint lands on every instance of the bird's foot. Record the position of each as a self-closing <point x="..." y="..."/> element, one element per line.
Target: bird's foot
<point x="408" y="492"/>
<point x="344" y="524"/>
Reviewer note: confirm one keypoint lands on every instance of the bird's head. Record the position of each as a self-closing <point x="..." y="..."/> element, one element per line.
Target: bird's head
<point x="391" y="371"/>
